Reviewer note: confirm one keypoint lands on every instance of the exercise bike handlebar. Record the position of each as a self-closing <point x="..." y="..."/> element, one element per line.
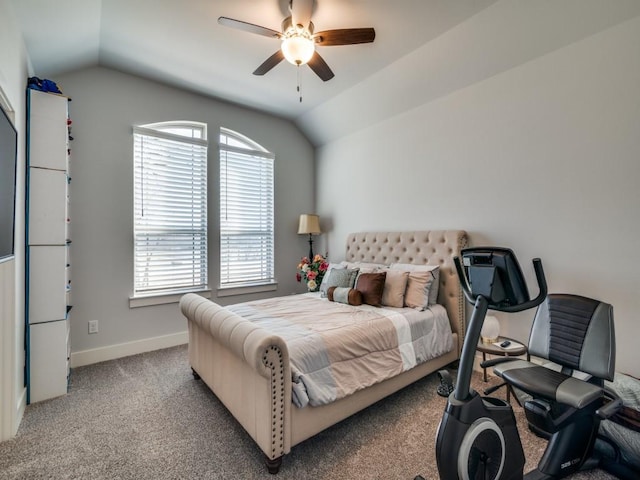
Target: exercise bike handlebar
<point x="481" y="304"/>
<point x="540" y="278"/>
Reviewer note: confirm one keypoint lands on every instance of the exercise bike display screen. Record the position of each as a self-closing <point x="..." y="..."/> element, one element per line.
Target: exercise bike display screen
<point x="495" y="273"/>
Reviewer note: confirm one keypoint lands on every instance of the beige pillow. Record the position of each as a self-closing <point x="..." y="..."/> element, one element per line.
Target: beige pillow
<point x="435" y="272"/>
<point x="370" y="267"/>
<point x="417" y="293"/>
<point x="394" y="288"/>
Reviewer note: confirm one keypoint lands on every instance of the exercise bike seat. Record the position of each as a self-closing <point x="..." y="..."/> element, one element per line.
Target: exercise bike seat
<point x="551" y="385"/>
<point x="577" y="334"/>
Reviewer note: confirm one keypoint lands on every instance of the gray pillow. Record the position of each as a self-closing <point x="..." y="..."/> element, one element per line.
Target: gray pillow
<point x="339" y="277"/>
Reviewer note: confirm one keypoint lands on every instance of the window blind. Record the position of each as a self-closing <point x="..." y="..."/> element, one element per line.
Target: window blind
<point x="170" y="212"/>
<point x="246" y="217"/>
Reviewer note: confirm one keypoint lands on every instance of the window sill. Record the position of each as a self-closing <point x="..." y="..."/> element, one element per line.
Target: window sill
<point x="146" y="301"/>
<point x="230" y="291"/>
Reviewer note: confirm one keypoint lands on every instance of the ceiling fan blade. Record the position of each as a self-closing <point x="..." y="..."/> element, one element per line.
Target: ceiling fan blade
<point x="345" y="36"/>
<point x="248" y="27"/>
<point x="320" y="67"/>
<point x="269" y="63"/>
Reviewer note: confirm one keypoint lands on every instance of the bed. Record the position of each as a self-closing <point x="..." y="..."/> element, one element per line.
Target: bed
<point x="247" y="363"/>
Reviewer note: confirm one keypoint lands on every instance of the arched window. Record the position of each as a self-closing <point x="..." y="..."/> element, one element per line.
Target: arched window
<point x="170" y="208"/>
<point x="246" y="212"/>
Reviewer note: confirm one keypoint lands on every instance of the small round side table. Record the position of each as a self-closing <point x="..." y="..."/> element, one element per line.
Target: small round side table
<point x="510" y="351"/>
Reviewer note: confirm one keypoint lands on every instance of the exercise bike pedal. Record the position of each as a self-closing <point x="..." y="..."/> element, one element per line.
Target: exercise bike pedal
<point x="446" y="384"/>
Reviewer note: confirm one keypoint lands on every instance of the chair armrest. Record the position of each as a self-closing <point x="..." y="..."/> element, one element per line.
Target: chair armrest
<point x="609" y="409"/>
<point x="495" y="361"/>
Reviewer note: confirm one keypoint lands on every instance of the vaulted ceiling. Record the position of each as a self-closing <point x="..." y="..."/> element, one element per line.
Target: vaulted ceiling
<point x="424" y="49"/>
<point x="181" y="43"/>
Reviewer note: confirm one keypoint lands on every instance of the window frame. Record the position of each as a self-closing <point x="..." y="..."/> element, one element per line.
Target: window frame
<point x="163" y="131"/>
<point x="239" y="144"/>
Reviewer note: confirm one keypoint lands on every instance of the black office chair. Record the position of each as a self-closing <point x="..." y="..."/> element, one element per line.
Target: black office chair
<point x="577" y="335"/>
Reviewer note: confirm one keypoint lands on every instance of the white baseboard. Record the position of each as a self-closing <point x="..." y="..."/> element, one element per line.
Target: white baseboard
<point x="102" y="354"/>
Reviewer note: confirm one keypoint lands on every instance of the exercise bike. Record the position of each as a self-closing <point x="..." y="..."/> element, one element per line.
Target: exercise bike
<point x="477" y="438"/>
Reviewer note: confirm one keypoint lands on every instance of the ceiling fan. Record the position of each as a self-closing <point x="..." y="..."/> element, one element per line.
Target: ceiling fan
<point x="299" y="40"/>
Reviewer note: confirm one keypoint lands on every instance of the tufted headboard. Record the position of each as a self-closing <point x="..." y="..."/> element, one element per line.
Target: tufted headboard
<point x="430" y="247"/>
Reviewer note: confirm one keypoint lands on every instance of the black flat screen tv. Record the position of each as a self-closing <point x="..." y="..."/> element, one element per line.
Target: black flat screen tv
<point x="8" y="162"/>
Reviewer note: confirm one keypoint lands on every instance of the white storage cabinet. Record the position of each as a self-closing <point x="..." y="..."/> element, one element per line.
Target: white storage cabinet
<point x="48" y="245"/>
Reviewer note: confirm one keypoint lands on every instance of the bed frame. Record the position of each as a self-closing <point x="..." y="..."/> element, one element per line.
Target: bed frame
<point x="247" y="367"/>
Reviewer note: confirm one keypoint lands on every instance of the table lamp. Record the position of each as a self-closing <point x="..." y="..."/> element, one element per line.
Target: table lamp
<point x="309" y="224"/>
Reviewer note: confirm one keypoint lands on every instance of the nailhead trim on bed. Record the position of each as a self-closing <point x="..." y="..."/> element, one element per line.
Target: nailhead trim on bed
<point x="272" y="359"/>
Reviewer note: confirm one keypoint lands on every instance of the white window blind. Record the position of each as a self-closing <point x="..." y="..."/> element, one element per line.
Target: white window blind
<point x="246" y="212"/>
<point x="170" y="208"/>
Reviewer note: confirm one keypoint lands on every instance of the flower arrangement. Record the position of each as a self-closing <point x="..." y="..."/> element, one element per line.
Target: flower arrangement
<point x="312" y="271"/>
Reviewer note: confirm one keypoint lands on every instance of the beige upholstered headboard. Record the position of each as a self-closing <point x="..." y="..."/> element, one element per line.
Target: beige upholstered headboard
<point x="430" y="247"/>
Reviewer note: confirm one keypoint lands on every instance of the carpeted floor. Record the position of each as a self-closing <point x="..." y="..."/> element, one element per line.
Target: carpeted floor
<point x="145" y="417"/>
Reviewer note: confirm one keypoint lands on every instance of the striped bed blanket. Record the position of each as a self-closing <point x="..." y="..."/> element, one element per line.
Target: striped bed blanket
<point x="337" y="349"/>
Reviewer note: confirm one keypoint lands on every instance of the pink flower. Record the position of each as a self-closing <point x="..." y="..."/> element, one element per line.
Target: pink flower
<point x="312" y="272"/>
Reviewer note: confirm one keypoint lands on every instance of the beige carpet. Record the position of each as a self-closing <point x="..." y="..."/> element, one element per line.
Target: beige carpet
<point x="145" y="417"/>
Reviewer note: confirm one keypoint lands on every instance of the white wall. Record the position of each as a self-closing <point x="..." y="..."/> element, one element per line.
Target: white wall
<point x="542" y="157"/>
<point x="105" y="106"/>
<point x="13" y="79"/>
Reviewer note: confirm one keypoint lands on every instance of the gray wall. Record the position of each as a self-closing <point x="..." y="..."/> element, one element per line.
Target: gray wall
<point x="106" y="104"/>
<point x="542" y="157"/>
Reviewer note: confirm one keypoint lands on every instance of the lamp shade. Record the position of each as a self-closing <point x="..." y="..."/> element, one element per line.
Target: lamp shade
<point x="490" y="330"/>
<point x="309" y="224"/>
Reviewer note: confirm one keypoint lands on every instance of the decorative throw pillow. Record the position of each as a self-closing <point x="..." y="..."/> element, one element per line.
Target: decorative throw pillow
<point x="394" y="287"/>
<point x="371" y="285"/>
<point x="435" y="273"/>
<point x="350" y="296"/>
<point x="417" y="293"/>
<point x="339" y="277"/>
<point x="323" y="284"/>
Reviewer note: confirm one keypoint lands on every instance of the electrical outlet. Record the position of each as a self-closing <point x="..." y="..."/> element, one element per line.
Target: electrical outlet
<point x="93" y="326"/>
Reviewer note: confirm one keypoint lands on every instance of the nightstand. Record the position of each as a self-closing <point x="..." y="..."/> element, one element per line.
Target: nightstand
<point x="514" y="350"/>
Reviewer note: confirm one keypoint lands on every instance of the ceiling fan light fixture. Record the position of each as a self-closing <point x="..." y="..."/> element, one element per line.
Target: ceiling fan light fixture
<point x="297" y="46"/>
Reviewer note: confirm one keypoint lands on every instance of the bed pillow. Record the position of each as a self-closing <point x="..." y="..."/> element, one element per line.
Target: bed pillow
<point x="395" y="286"/>
<point x="339" y="277"/>
<point x="325" y="278"/>
<point x="364" y="267"/>
<point x="417" y="293"/>
<point x="371" y="285"/>
<point x="435" y="273"/>
<point x="350" y="296"/>
<point x="370" y="267"/>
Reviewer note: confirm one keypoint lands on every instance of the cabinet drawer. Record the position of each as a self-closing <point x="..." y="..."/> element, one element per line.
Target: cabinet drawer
<point x="48" y="136"/>
<point x="49" y="366"/>
<point x="47" y="283"/>
<point x="47" y="207"/>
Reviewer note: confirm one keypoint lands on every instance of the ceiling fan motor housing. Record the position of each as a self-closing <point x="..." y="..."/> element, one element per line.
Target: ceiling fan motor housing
<point x="287" y="24"/>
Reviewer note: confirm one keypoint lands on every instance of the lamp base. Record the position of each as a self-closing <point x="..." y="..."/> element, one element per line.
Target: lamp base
<point x="489" y="339"/>
<point x="310" y="248"/>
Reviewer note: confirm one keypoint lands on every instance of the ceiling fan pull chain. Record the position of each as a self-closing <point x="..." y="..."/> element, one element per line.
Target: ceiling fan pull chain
<point x="299" y="84"/>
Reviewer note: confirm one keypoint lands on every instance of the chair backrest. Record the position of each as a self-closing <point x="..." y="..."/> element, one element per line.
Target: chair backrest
<point x="575" y="332"/>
